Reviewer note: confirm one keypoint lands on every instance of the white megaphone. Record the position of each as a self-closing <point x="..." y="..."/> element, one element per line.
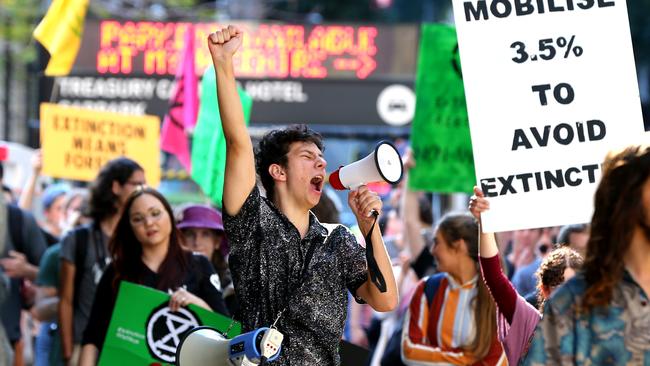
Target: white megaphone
<point x="383" y="164"/>
<point x="207" y="347"/>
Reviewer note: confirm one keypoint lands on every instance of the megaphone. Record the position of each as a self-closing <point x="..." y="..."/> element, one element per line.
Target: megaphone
<point x="206" y="346"/>
<point x="383" y="164"/>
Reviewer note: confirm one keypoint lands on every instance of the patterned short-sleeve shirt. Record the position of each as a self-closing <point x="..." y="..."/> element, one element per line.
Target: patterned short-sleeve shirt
<point x="616" y="335"/>
<point x="266" y="261"/>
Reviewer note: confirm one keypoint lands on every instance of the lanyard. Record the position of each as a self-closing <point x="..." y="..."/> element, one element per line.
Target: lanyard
<point x="303" y="276"/>
<point x="375" y="273"/>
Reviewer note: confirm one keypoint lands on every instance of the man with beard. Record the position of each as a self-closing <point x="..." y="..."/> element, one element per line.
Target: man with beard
<point x="602" y="315"/>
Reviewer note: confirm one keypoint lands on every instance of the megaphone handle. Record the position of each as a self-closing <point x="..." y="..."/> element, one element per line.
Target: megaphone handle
<point x="375" y="273"/>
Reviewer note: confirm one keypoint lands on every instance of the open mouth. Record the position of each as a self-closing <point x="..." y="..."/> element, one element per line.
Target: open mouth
<point x="317" y="183"/>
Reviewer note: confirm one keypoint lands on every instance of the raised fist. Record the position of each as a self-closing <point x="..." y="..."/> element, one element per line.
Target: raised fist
<point x="224" y="43"/>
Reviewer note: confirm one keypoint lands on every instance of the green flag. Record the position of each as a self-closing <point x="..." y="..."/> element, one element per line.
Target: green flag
<point x="209" y="143"/>
<point x="144" y="332"/>
<point x="440" y="133"/>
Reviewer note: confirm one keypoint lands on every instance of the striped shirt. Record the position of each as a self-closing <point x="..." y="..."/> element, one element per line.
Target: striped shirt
<point x="435" y="331"/>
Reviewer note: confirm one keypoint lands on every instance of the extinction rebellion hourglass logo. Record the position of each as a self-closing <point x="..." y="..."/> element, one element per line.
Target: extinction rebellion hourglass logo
<point x="165" y="330"/>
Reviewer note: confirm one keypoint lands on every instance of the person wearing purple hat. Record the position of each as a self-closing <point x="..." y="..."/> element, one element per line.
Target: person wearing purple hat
<point x="203" y="232"/>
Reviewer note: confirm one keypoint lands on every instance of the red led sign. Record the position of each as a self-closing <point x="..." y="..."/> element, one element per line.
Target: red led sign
<point x="268" y="51"/>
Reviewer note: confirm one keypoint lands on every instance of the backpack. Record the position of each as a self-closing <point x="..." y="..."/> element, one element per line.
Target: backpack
<point x="393" y="353"/>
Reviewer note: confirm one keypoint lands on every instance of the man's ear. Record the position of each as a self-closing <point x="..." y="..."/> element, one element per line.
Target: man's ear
<point x="277" y="172"/>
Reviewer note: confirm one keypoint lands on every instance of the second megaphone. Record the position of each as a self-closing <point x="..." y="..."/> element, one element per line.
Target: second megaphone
<point x="383" y="164"/>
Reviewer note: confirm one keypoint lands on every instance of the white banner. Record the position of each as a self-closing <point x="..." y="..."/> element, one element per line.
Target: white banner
<point x="551" y="86"/>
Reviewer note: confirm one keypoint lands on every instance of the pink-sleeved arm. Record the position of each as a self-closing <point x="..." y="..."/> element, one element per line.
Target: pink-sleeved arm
<point x="503" y="293"/>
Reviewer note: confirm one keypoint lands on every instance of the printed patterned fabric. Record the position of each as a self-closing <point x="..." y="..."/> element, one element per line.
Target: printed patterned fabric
<point x="266" y="261"/>
<point x="435" y="333"/>
<point x="616" y="335"/>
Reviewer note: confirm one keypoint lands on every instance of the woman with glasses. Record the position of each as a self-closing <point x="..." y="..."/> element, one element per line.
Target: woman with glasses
<point x="146" y="249"/>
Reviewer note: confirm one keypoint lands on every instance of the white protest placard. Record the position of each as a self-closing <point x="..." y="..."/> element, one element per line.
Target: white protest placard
<point x="550" y="86"/>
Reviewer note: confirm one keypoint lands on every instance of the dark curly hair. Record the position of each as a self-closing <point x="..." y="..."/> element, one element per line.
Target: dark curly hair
<point x="551" y="272"/>
<point x="126" y="250"/>
<point x="618" y="210"/>
<point x="273" y="149"/>
<point x="103" y="202"/>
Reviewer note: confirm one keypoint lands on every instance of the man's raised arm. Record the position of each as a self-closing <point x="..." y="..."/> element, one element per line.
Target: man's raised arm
<point x="240" y="161"/>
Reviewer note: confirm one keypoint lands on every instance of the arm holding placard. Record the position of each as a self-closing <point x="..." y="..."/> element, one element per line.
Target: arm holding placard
<point x="503" y="293"/>
<point x="27" y="195"/>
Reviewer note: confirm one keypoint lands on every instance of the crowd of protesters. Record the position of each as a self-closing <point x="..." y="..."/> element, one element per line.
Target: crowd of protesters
<point x="576" y="294"/>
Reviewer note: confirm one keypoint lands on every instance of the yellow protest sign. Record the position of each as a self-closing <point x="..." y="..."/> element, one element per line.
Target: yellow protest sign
<point x="76" y="142"/>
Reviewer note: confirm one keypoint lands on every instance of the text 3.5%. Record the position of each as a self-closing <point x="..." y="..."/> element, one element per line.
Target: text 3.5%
<point x="548" y="49"/>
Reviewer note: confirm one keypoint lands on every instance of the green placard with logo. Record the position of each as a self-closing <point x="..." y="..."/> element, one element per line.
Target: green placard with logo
<point x="143" y="331"/>
<point x="440" y="135"/>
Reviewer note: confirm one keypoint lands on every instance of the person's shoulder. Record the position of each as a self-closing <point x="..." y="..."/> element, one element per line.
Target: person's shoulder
<point x="25" y="216"/>
<point x="340" y="233"/>
<point x="70" y="237"/>
<point x="198" y="261"/>
<point x="76" y="230"/>
<point x="253" y="200"/>
<point x="336" y="229"/>
<point x="569" y="294"/>
<point x="52" y="251"/>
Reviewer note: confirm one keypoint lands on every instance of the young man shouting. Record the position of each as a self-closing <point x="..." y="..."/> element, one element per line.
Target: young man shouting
<point x="284" y="263"/>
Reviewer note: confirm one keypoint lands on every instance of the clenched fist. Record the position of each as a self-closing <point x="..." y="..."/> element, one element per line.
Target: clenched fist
<point x="224" y="43"/>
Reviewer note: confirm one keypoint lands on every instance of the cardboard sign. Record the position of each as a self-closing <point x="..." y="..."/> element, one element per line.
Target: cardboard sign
<point x="143" y="331"/>
<point x="77" y="142"/>
<point x="551" y="86"/>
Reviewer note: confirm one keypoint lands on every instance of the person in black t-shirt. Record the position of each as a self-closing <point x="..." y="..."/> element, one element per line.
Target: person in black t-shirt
<point x="146" y="249"/>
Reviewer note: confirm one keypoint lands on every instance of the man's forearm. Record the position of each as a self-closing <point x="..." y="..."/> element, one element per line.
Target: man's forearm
<point x="230" y="107"/>
<point x="65" y="325"/>
<point x="381" y="301"/>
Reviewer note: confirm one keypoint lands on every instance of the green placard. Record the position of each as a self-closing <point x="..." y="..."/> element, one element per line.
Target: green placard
<point x="143" y="331"/>
<point x="440" y="132"/>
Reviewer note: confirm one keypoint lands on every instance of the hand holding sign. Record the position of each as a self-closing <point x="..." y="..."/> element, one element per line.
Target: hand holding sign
<point x="478" y="204"/>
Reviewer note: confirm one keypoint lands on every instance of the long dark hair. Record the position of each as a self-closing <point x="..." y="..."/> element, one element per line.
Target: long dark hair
<point x="103" y="202"/>
<point x="454" y="227"/>
<point x="618" y="210"/>
<point x="126" y="250"/>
